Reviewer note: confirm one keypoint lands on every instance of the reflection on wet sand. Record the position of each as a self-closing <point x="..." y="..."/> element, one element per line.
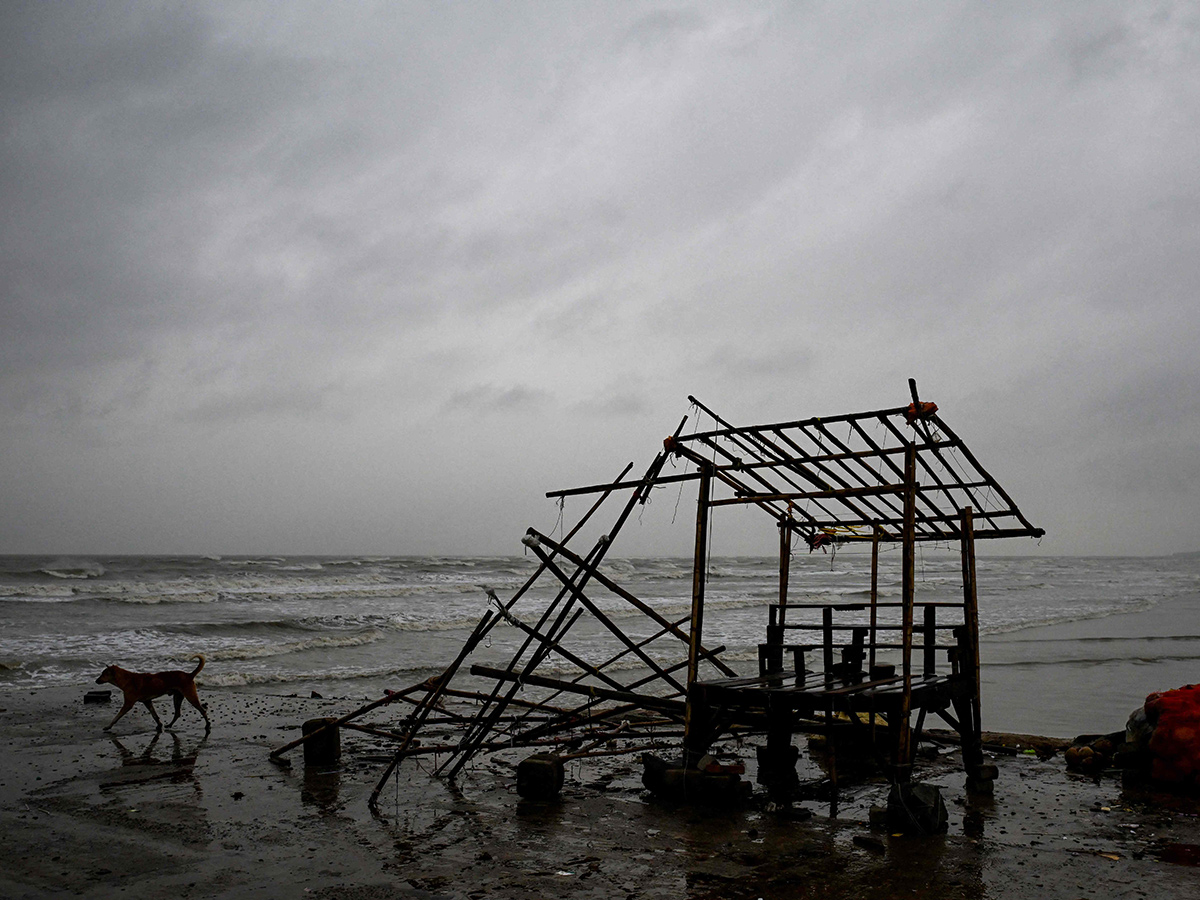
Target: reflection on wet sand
<point x="321" y="788"/>
<point x="145" y="765"/>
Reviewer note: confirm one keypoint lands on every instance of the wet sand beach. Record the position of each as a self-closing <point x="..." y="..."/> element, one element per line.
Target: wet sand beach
<point x="184" y="815"/>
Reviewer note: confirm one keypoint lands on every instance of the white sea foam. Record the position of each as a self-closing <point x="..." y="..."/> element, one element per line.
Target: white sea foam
<point x="247" y="678"/>
<point x="262" y="651"/>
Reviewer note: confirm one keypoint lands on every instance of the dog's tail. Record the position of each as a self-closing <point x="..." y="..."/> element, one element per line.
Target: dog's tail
<point x="199" y="656"/>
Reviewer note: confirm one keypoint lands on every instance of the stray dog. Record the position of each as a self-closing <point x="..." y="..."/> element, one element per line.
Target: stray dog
<point x="142" y="687"/>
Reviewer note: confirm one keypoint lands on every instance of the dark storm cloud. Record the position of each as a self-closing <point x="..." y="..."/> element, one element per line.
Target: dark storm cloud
<point x="487" y="398"/>
<point x="251" y="250"/>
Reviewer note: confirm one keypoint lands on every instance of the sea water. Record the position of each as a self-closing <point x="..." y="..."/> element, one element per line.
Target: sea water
<point x="1069" y="644"/>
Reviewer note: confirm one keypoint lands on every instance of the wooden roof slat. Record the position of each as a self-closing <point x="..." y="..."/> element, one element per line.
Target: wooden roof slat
<point x="803" y="473"/>
<point x="875" y="513"/>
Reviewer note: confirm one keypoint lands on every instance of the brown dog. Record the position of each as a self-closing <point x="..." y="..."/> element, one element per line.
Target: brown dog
<point x="142" y="687"/>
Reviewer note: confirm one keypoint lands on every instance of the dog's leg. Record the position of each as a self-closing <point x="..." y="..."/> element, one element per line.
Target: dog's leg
<point x="194" y="699"/>
<point x="177" y="696"/>
<point x="129" y="701"/>
<point x="157" y="720"/>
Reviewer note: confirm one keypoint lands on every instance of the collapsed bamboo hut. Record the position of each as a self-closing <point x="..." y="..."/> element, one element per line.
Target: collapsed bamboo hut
<point x="888" y="477"/>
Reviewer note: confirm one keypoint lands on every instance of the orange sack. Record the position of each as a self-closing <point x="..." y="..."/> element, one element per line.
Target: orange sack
<point x="1175" y="744"/>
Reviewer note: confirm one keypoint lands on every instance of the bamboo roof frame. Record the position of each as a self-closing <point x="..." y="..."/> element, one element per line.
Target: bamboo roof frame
<point x="843" y="475"/>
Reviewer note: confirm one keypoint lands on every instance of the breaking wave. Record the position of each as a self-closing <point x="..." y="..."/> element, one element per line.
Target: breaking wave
<point x="73" y="568"/>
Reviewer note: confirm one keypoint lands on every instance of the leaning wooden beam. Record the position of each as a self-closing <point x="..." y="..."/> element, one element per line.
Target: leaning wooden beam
<point x="437" y="686"/>
<point x="557" y="647"/>
<point x="643" y="701"/>
<point x="628" y="597"/>
<point x="621" y="485"/>
<point x="485" y="719"/>
<point x="600" y="616"/>
<point x="506" y="607"/>
<point x="495" y="705"/>
<point x="638" y="496"/>
<point x="618" y="656"/>
<point x="903" y="751"/>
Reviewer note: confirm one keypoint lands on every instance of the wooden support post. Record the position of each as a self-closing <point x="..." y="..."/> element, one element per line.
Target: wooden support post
<point x="770" y="658"/>
<point x="696" y="635"/>
<point x="827" y="642"/>
<point x="903" y="747"/>
<point x="929" y="643"/>
<point x="777" y="764"/>
<point x="785" y="564"/>
<point x="699" y="575"/>
<point x="322" y="749"/>
<point x="853" y="655"/>
<point x="390" y="698"/>
<point x="874" y="594"/>
<point x="971" y="719"/>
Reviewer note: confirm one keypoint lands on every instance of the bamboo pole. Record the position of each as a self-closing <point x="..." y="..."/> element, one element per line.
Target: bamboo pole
<point x="785" y="565"/>
<point x="489" y="620"/>
<point x="904" y="751"/>
<point x="637" y="603"/>
<point x="623" y="653"/>
<point x="597" y="554"/>
<point x="658" y="704"/>
<point x="699" y="577"/>
<point x="603" y="619"/>
<point x="971" y="608"/>
<point x="874" y="594"/>
<point x="418" y="715"/>
<point x="699" y="572"/>
<point x="566" y="654"/>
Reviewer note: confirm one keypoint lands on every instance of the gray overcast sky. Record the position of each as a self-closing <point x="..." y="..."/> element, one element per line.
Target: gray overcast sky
<point x="333" y="277"/>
